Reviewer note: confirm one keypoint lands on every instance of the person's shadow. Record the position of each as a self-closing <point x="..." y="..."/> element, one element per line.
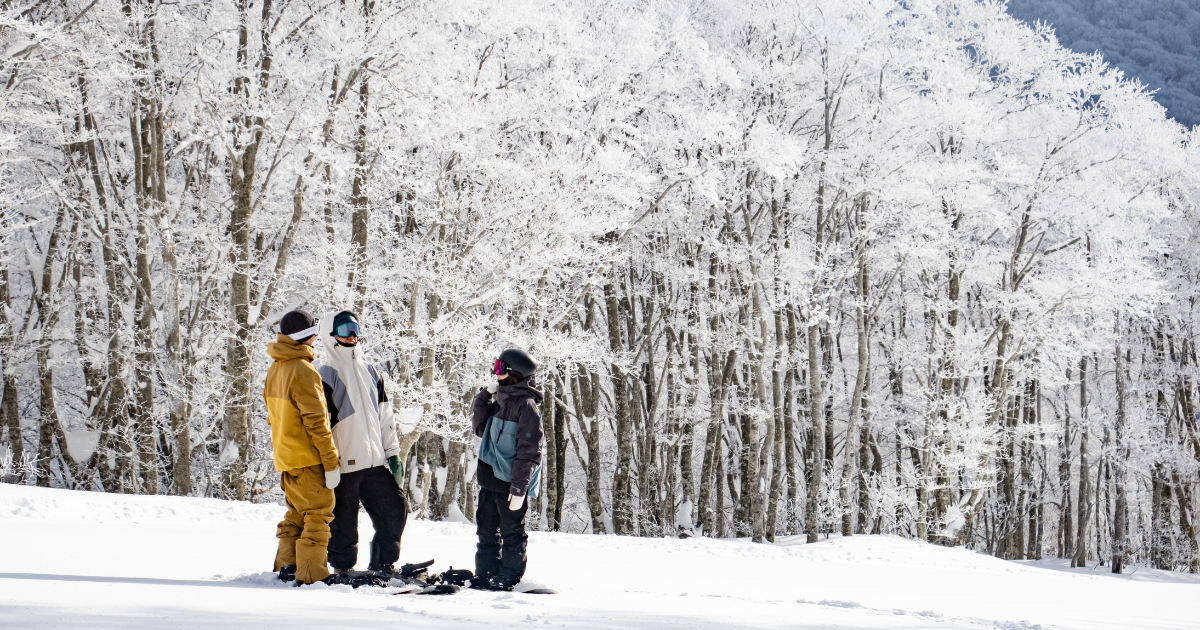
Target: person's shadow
<point x="51" y="577"/>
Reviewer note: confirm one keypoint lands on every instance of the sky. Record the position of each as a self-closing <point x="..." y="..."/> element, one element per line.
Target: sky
<point x="1154" y="41"/>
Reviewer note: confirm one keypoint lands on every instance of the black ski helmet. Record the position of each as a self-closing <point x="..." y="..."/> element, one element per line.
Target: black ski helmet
<point x="344" y="317"/>
<point x="519" y="361"/>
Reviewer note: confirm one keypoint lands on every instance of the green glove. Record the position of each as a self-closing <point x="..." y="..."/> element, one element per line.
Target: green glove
<point x="397" y="467"/>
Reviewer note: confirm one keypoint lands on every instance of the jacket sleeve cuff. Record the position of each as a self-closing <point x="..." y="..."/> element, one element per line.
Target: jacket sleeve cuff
<point x="516" y="492"/>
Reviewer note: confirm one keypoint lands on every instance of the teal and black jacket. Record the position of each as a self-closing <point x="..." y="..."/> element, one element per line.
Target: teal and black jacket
<point x="510" y="455"/>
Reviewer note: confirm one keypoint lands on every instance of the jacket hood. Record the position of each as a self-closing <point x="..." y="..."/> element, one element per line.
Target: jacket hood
<point x="335" y="353"/>
<point x="527" y="388"/>
<point x="284" y="348"/>
<point x="343" y="353"/>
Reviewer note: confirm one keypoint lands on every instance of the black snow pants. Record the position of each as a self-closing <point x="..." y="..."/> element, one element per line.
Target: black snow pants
<point x="386" y="505"/>
<point x="502" y="537"/>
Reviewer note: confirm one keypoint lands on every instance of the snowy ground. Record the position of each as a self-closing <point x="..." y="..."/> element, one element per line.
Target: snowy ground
<point x="74" y="559"/>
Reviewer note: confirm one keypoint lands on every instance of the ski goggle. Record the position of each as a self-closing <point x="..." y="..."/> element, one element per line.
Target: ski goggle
<point x="347" y="329"/>
<point x="500" y="367"/>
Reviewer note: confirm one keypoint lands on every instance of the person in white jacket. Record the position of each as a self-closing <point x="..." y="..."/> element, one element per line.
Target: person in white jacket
<point x="368" y="450"/>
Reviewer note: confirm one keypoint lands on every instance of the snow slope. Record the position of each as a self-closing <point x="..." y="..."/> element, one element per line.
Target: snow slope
<point x="74" y="559"/>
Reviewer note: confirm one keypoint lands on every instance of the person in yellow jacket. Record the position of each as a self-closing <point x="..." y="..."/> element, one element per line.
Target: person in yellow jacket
<point x="305" y="455"/>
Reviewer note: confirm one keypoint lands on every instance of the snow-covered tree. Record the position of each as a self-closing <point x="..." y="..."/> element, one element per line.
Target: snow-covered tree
<point x="789" y="268"/>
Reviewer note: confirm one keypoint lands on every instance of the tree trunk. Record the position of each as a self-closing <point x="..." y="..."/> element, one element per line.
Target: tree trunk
<point x="359" y="198"/>
<point x="179" y="376"/>
<point x="1029" y="499"/>
<point x="1012" y="509"/>
<point x="712" y="467"/>
<point x="237" y="419"/>
<point x="760" y="453"/>
<point x="1182" y="495"/>
<point x="116" y="402"/>
<point x="248" y="133"/>
<point x="864" y="457"/>
<point x="816" y="387"/>
<point x="749" y="496"/>
<point x="51" y="428"/>
<point x="685" y="522"/>
<point x="87" y="314"/>
<point x="550" y="472"/>
<point x="1085" y="503"/>
<point x="1066" y="548"/>
<point x="585" y="397"/>
<point x="48" y="318"/>
<point x="622" y="479"/>
<point x="921" y="460"/>
<point x="949" y="380"/>
<point x="143" y="338"/>
<point x="705" y="513"/>
<point x="877" y="472"/>
<point x="792" y="383"/>
<point x="817" y="409"/>
<point x="560" y="456"/>
<point x="777" y="441"/>
<point x="1186" y="525"/>
<point x="720" y="527"/>
<point x="437" y="461"/>
<point x="10" y="415"/>
<point x="455" y="470"/>
<point x="850" y="463"/>
<point x="1119" y="543"/>
<point x="112" y="404"/>
<point x="668" y="504"/>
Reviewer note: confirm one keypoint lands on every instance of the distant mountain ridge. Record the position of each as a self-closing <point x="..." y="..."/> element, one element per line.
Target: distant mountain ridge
<point x="1155" y="41"/>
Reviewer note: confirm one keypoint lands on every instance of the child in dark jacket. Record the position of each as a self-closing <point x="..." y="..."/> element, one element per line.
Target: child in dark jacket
<point x="505" y="416"/>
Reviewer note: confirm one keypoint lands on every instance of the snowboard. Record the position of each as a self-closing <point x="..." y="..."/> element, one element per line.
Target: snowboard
<point x="439" y="589"/>
<point x="538" y="591"/>
<point x="423" y="588"/>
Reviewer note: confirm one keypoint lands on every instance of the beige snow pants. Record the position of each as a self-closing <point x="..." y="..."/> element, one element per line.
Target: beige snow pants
<point x="304" y="531"/>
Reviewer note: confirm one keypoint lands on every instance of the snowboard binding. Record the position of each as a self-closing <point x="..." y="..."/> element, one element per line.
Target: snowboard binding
<point x="355" y="579"/>
<point x="415" y="570"/>
<point x="456" y="577"/>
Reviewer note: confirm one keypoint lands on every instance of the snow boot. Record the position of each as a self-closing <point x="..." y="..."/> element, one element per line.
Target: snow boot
<point x="288" y="573"/>
<point x="493" y="583"/>
<point x="385" y="571"/>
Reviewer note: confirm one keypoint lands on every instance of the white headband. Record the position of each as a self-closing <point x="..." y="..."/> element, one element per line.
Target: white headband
<point x="305" y="334"/>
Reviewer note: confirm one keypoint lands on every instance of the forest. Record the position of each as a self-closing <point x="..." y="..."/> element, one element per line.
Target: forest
<point x="790" y="267"/>
<point x="1156" y="41"/>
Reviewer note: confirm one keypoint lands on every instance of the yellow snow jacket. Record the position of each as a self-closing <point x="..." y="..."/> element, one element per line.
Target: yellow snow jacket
<point x="296" y="409"/>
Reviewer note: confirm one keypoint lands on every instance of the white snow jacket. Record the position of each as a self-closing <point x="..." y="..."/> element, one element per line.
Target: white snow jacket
<point x="359" y="410"/>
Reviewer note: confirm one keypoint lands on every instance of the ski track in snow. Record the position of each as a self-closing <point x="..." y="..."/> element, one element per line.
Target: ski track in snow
<point x="91" y="560"/>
